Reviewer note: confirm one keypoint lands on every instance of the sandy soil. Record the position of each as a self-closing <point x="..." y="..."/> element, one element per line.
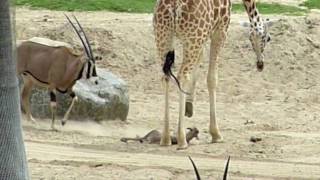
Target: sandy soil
<point x="281" y="105"/>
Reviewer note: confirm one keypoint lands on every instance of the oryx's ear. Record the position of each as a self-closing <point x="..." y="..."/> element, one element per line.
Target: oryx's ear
<point x="245" y="24"/>
<point x="98" y="58"/>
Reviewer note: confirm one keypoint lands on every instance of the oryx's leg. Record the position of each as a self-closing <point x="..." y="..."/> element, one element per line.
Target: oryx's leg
<point x="66" y="116"/>
<point x="191" y="90"/>
<point x="25" y="94"/>
<point x="217" y="41"/>
<point x="53" y="106"/>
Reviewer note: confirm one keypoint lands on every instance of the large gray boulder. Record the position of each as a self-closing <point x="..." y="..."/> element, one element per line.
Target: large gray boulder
<point x="108" y="100"/>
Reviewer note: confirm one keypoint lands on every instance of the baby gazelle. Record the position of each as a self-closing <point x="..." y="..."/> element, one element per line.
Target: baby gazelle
<point x="154" y="137"/>
<point x="225" y="174"/>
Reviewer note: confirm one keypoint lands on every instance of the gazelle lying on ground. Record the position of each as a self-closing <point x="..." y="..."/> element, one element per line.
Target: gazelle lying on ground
<point x="54" y="65"/>
<point x="225" y="174"/>
<point x="154" y="137"/>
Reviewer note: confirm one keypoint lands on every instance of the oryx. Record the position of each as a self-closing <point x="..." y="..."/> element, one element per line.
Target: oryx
<point x="54" y="65"/>
<point x="225" y="174"/>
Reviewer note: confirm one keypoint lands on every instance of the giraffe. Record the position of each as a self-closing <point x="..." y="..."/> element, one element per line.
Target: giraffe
<point x="194" y="22"/>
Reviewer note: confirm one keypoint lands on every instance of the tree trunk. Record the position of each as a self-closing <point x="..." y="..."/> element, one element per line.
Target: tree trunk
<point x="13" y="165"/>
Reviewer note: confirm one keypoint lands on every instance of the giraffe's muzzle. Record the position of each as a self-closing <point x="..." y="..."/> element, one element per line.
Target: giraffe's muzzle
<point x="260" y="66"/>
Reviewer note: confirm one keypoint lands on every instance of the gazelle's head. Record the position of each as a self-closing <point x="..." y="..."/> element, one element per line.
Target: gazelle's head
<point x="89" y="68"/>
<point x="259" y="38"/>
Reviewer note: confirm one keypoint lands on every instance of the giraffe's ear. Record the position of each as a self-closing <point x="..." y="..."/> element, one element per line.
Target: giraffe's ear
<point x="244" y="24"/>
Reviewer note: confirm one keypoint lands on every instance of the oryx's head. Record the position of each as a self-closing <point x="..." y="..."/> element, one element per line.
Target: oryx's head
<point x="259" y="37"/>
<point x="89" y="68"/>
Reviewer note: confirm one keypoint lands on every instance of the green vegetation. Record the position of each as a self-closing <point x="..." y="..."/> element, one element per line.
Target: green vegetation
<point x="273" y="8"/>
<point x="312" y="4"/>
<point x="139" y="6"/>
<point x="146" y="6"/>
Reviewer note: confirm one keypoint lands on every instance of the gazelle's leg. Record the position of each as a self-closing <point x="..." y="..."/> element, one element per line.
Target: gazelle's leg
<point x="25" y="96"/>
<point x="191" y="57"/>
<point x="191" y="90"/>
<point x="66" y="116"/>
<point x="163" y="29"/>
<point x="53" y="106"/>
<point x="217" y="42"/>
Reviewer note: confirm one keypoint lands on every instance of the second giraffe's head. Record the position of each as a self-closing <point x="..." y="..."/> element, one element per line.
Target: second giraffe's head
<point x="259" y="37"/>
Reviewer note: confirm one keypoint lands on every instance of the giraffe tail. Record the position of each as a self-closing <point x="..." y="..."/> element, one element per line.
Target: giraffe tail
<point x="167" y="69"/>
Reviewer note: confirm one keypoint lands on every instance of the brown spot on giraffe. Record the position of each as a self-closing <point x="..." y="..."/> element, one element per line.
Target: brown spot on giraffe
<point x="225" y="2"/>
<point x="216" y="13"/>
<point x="216" y="3"/>
<point x="223" y="11"/>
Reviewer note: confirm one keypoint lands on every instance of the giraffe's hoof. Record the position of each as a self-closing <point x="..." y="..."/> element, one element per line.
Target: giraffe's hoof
<point x="165" y="141"/>
<point x="217" y="139"/>
<point x="189" y="109"/>
<point x="63" y="123"/>
<point x="54" y="129"/>
<point x="260" y="66"/>
<point x="182" y="147"/>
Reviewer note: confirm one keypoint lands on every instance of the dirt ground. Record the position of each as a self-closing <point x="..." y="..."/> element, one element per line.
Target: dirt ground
<point x="281" y="105"/>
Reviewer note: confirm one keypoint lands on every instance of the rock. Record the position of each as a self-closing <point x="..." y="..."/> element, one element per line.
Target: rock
<point x="108" y="100"/>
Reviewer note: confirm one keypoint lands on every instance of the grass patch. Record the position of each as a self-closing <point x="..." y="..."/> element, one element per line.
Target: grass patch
<point x="146" y="6"/>
<point x="274" y="8"/>
<point x="138" y="6"/>
<point x="312" y="4"/>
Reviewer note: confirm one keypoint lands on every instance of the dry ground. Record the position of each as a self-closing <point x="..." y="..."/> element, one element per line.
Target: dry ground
<point x="281" y="105"/>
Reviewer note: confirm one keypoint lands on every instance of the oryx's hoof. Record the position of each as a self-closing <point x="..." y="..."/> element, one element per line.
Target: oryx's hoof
<point x="31" y="119"/>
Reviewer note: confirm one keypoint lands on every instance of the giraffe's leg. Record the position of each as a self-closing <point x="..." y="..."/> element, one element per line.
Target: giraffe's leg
<point x="191" y="90"/>
<point x="191" y="57"/>
<point x="217" y="42"/>
<point x="164" y="42"/>
<point x="25" y="94"/>
<point x="166" y="138"/>
<point x="53" y="106"/>
<point x="181" y="132"/>
<point x="66" y="116"/>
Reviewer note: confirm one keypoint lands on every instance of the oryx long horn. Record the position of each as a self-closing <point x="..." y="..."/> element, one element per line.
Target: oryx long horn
<point x="226" y="169"/>
<point x="195" y="169"/>
<point x="84" y="45"/>
<point x="86" y="37"/>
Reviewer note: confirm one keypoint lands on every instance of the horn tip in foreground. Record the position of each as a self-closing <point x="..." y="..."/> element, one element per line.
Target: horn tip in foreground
<point x="195" y="169"/>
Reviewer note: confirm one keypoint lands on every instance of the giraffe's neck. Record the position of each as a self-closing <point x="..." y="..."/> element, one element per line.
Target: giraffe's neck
<point x="253" y="12"/>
